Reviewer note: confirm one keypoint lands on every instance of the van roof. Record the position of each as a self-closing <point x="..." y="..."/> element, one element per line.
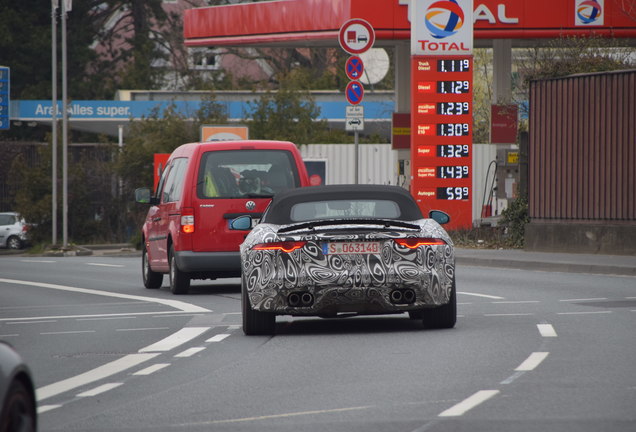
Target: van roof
<point x="240" y="144"/>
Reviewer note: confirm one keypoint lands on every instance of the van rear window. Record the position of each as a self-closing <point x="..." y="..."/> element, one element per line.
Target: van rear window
<point x="246" y="173"/>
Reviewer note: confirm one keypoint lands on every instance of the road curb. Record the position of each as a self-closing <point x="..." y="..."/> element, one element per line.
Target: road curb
<point x="547" y="266"/>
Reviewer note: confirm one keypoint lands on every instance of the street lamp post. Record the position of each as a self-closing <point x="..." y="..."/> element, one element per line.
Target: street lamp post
<point x="64" y="132"/>
<point x="54" y="5"/>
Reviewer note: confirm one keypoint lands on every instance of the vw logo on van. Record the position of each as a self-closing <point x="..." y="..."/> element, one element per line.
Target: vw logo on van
<point x="250" y="205"/>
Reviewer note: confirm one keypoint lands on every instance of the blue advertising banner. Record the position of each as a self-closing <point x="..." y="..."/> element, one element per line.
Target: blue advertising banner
<point x="86" y="110"/>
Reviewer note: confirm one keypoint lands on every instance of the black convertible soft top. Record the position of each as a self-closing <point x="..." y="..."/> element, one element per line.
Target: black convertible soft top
<point x="280" y="208"/>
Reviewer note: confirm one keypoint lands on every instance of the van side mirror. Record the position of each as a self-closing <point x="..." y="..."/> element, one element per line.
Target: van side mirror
<point x="439" y="216"/>
<point x="144" y="196"/>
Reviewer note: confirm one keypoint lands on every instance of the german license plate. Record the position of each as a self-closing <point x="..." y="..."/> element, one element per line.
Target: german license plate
<point x="350" y="248"/>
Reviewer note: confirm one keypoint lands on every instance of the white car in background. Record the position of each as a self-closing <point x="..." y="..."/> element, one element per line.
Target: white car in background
<point x="13" y="231"/>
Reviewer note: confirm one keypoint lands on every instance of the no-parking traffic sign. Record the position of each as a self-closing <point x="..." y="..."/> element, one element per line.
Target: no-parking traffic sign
<point x="354" y="92"/>
<point x="356" y="36"/>
<point x="354" y="68"/>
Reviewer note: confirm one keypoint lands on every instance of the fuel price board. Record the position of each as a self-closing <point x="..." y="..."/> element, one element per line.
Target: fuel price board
<point x="442" y="123"/>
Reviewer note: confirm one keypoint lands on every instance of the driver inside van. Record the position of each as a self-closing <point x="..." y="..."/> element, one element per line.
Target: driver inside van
<point x="252" y="183"/>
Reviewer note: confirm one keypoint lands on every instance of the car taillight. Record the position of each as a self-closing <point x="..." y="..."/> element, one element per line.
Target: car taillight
<point x="415" y="242"/>
<point x="286" y="246"/>
<point x="187" y="220"/>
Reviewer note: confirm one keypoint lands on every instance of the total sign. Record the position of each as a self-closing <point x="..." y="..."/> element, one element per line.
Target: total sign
<point x="442" y="27"/>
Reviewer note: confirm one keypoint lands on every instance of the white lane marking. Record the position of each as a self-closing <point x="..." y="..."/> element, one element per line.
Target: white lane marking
<point x="469" y="403"/>
<point x="509" y="314"/>
<point x="142" y="329"/>
<point x="512" y="378"/>
<point x="532" y="362"/>
<point x="584" y="299"/>
<point x="190" y="352"/>
<point x="584" y="313"/>
<point x="217" y="338"/>
<point x="105" y="265"/>
<point x="99" y="390"/>
<point x="24" y="321"/>
<point x="68" y="332"/>
<point x="234" y="327"/>
<point x="152" y="369"/>
<point x="174" y="340"/>
<point x="547" y="330"/>
<point x="106" y="318"/>
<point x="8" y="335"/>
<point x="516" y="302"/>
<point x="155" y="315"/>
<point x="277" y="416"/>
<point x="37" y="261"/>
<point x="45" y="408"/>
<point x="480" y="295"/>
<point x="91" y="376"/>
<point x="183" y="306"/>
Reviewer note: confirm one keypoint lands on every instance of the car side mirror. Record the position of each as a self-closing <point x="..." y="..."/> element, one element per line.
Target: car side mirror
<point x="144" y="196"/>
<point x="439" y="216"/>
<point x="241" y="223"/>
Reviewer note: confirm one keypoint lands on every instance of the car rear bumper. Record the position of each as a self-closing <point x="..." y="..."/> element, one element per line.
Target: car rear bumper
<point x="330" y="300"/>
<point x="227" y="264"/>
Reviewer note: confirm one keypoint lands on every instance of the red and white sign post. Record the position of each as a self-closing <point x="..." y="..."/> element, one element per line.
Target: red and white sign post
<point x="356" y="36"/>
<point x="442" y="107"/>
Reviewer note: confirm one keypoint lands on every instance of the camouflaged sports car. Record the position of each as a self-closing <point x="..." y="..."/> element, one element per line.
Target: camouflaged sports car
<point x="343" y="249"/>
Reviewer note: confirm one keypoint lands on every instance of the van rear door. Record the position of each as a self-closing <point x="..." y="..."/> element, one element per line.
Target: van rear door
<point x="236" y="182"/>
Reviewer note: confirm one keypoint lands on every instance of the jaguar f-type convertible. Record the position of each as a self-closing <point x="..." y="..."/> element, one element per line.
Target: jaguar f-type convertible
<point x="346" y="249"/>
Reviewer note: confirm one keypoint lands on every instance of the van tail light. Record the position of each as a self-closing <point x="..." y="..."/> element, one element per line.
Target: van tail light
<point x="415" y="242"/>
<point x="187" y="220"/>
<point x="286" y="246"/>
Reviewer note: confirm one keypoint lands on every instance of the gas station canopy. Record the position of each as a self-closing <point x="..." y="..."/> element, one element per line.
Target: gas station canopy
<point x="307" y="23"/>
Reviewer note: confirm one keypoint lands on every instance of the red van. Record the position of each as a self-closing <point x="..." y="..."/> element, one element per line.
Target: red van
<point x="203" y="188"/>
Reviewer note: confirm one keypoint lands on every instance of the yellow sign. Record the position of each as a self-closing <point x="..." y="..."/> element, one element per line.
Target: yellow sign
<point x="513" y="158"/>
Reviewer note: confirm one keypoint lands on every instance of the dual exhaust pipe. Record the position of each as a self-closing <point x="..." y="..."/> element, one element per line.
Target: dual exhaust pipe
<point x="305" y="299"/>
<point x="300" y="299"/>
<point x="406" y="296"/>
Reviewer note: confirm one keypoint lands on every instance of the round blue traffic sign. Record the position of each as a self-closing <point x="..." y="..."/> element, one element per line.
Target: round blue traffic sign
<point x="354" y="68"/>
<point x="354" y="92"/>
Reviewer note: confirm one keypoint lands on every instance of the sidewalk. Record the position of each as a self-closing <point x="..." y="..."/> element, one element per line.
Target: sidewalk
<point x="547" y="261"/>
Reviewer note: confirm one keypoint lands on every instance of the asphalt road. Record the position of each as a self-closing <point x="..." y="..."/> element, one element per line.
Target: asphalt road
<point x="532" y="351"/>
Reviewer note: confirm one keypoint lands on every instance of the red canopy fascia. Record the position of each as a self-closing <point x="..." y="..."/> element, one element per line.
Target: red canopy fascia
<point x="317" y="22"/>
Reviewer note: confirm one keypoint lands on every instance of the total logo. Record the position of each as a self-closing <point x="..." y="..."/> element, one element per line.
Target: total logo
<point x="442" y="26"/>
<point x="444" y="18"/>
<point x="589" y="12"/>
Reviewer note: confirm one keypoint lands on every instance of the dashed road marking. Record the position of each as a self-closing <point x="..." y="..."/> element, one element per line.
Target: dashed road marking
<point x="45" y="408"/>
<point x="532" y="362"/>
<point x="99" y="390"/>
<point x="91" y="376"/>
<point x="584" y="313"/>
<point x="508" y="314"/>
<point x="176" y="339"/>
<point x="546" y="330"/>
<point x="190" y="352"/>
<point x="68" y="332"/>
<point x="152" y="369"/>
<point x="217" y="338"/>
<point x="469" y="403"/>
<point x="105" y="265"/>
<point x="584" y="299"/>
<point x="480" y="295"/>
